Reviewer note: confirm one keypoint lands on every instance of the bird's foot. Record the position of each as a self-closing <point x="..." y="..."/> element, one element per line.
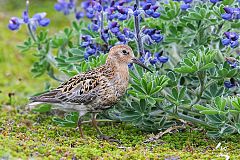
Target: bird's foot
<point x="108" y="138"/>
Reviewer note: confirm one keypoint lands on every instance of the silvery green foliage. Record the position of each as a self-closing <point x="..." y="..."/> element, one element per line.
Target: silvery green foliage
<point x="195" y="61"/>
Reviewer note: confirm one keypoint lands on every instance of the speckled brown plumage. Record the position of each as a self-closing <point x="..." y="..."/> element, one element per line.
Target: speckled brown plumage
<point x="95" y="90"/>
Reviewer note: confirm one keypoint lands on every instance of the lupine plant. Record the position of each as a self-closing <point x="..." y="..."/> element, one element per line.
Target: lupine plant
<point x="192" y="46"/>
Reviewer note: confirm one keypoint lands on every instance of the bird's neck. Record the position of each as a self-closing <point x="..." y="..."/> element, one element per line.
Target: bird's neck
<point x="120" y="76"/>
<point x="120" y="69"/>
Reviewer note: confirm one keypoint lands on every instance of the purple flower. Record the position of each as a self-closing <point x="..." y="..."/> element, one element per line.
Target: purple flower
<point x="153" y="60"/>
<point x="231" y="35"/>
<point x="90" y="50"/>
<point x="136" y="13"/>
<point x="157" y="37"/>
<point x="37" y="20"/>
<point x="149" y="12"/>
<point x="156" y="15"/>
<point x="229" y="84"/>
<point x="187" y="1"/>
<point x="122" y="17"/>
<point x="79" y="15"/>
<point x="226" y="16"/>
<point x="121" y="37"/>
<point x="231" y="13"/>
<point x="64" y="6"/>
<point x="185" y="6"/>
<point x="86" y="41"/>
<point x="146" y="6"/>
<point x="163" y="59"/>
<point x="114" y="27"/>
<point x="97" y="6"/>
<point x="232" y="62"/>
<point x="234" y="44"/>
<point x="105" y="35"/>
<point x="154" y="34"/>
<point x="231" y="39"/>
<point x="228" y="10"/>
<point x="25" y="17"/>
<point x="130" y="65"/>
<point x="14" y="23"/>
<point x="44" y="22"/>
<point x="214" y="1"/>
<point x="226" y="41"/>
<point x="128" y="33"/>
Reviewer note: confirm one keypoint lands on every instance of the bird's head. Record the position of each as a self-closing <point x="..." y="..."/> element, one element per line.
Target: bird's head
<point x="123" y="55"/>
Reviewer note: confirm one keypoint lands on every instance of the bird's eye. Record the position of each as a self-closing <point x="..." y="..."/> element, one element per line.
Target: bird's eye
<point x="125" y="52"/>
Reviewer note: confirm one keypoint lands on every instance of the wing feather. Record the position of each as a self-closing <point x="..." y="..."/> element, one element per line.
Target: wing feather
<point x="81" y="88"/>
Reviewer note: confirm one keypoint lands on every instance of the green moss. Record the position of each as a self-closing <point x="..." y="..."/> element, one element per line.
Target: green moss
<point x="35" y="135"/>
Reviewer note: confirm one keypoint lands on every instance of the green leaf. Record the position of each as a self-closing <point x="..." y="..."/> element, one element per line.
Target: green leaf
<point x="175" y="93"/>
<point x="227" y="2"/>
<point x="155" y="90"/>
<point x="191" y="26"/>
<point x="185" y="69"/>
<point x="151" y="101"/>
<point x="149" y="87"/>
<point x="144" y="85"/>
<point x="195" y="16"/>
<point x="129" y="116"/>
<point x="182" y="93"/>
<point x="200" y="107"/>
<point x="203" y="12"/>
<point x="207" y="66"/>
<point x="75" y="26"/>
<point x="42" y="108"/>
<point x="213" y="89"/>
<point x="142" y="105"/>
<point x="136" y="87"/>
<point x="76" y="51"/>
<point x="171" y="14"/>
<point x="220" y="103"/>
<point x="212" y="112"/>
<point x="236" y="104"/>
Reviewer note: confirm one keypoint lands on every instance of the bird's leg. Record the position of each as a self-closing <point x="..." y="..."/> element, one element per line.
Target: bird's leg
<point x="101" y="135"/>
<point x="79" y="123"/>
<point x="94" y="123"/>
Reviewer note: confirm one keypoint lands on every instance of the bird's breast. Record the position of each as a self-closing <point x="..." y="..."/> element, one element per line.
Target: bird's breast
<point x="120" y="83"/>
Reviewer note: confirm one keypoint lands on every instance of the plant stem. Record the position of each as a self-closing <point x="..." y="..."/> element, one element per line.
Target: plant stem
<point x="190" y="119"/>
<point x="99" y="120"/>
<point x="31" y="32"/>
<point x="137" y="31"/>
<point x="201" y="78"/>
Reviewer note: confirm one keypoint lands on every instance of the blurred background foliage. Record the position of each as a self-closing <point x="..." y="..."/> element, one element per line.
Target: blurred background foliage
<point x="16" y="80"/>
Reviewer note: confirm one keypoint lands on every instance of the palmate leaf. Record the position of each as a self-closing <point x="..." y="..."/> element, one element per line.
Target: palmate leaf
<point x="220" y="103"/>
<point x="236" y="104"/>
<point x="216" y="119"/>
<point x="129" y="116"/>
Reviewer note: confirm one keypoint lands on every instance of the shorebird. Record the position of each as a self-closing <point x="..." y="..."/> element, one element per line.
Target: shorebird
<point x="95" y="90"/>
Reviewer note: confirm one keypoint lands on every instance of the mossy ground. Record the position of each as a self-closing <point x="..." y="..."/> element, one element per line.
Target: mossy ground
<point x="24" y="134"/>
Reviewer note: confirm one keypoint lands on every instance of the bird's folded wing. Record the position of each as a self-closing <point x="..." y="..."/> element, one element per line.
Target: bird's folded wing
<point x="81" y="88"/>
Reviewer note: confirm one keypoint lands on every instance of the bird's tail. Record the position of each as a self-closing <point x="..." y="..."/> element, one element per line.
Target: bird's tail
<point x="48" y="97"/>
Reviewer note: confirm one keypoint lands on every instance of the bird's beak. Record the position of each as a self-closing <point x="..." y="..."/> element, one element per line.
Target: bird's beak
<point x="138" y="62"/>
